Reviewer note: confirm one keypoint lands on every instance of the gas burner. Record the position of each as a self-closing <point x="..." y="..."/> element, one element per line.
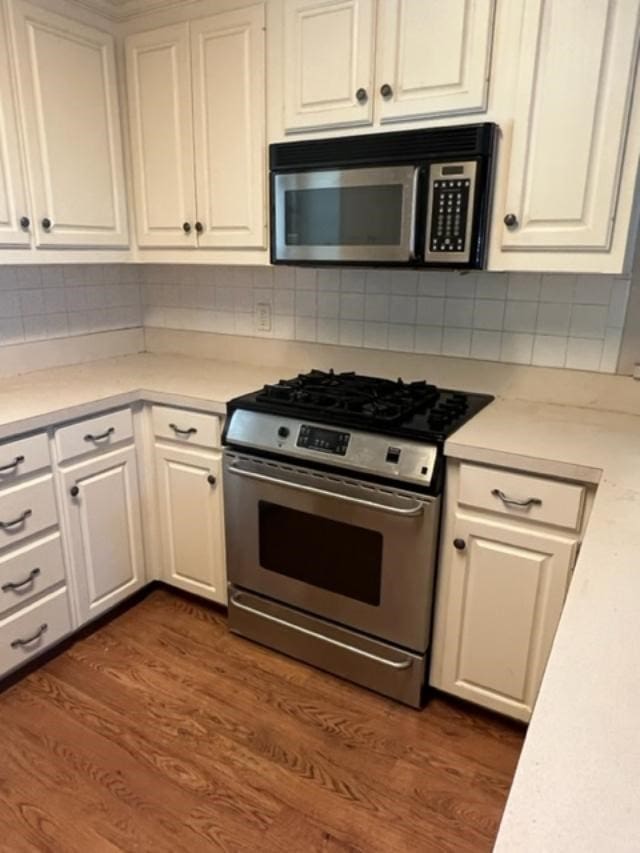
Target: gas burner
<point x="373" y="400"/>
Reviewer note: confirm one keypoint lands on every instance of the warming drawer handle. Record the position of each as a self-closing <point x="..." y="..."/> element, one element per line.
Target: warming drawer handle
<point x="514" y="501"/>
<point x="392" y="664"/>
<point x="417" y="509"/>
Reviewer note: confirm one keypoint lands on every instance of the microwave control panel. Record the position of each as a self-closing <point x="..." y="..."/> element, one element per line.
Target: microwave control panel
<point x="449" y="213"/>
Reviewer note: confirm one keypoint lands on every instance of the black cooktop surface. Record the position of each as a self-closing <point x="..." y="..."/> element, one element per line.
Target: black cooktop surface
<point x="410" y="409"/>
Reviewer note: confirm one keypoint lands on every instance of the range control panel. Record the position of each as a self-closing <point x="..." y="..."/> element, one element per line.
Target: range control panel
<point x="450" y="205"/>
<point x="325" y="440"/>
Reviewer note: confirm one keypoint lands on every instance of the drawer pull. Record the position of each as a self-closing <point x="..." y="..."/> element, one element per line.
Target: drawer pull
<point x="106" y="434"/>
<point x="13" y="585"/>
<point x="5" y="525"/>
<point x="179" y="431"/>
<point x="514" y="501"/>
<point x="12" y="465"/>
<point x="27" y="642"/>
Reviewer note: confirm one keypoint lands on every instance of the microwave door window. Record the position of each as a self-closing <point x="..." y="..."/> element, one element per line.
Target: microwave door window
<point x="368" y="216"/>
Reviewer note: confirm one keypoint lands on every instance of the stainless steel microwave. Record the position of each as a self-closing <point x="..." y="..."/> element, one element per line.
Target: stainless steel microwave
<point x="416" y="198"/>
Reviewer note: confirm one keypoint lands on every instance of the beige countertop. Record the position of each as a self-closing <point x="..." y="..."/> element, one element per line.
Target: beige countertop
<point x="576" y="787"/>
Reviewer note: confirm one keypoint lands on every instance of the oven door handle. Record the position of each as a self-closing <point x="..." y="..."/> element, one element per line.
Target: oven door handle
<point x="398" y="665"/>
<point x="411" y="511"/>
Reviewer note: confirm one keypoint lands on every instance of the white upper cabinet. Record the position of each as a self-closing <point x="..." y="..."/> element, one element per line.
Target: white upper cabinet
<point x="13" y="202"/>
<point x="160" y="119"/>
<point x="433" y="57"/>
<point x="328" y="63"/>
<point x="197" y="123"/>
<point x="430" y="59"/>
<point x="68" y="91"/>
<point x="574" y="86"/>
<point x="228" y="61"/>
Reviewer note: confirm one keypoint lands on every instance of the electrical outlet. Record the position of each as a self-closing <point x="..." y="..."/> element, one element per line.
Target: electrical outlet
<point x="262" y="317"/>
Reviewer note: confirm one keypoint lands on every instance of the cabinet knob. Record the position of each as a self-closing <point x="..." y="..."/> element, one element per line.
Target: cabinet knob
<point x="511" y="220"/>
<point x="25" y="222"/>
<point x="211" y="480"/>
<point x="361" y="96"/>
<point x="386" y="91"/>
<point x="47" y="224"/>
<point x="74" y="491"/>
<point x="459" y="544"/>
<point x="199" y="227"/>
<point x="186" y="227"/>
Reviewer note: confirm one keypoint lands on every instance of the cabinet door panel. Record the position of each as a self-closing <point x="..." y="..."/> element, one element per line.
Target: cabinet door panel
<point x="68" y="88"/>
<point x="573" y="95"/>
<point x="506" y="590"/>
<point x="160" y="119"/>
<point x="434" y="55"/>
<point x="105" y="531"/>
<point x="227" y="53"/>
<point x="328" y="56"/>
<point x="13" y="201"/>
<point x="192" y="520"/>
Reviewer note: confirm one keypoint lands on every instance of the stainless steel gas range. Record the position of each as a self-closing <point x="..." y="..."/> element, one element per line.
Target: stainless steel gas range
<point x="332" y="504"/>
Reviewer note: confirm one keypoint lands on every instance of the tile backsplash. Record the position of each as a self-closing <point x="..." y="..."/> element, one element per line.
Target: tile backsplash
<point x="572" y="321"/>
<point x="524" y="318"/>
<point x="53" y="301"/>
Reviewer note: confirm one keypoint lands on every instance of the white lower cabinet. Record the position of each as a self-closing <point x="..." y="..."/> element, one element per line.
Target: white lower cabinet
<point x="501" y="589"/>
<point x="104" y="530"/>
<point x="189" y="483"/>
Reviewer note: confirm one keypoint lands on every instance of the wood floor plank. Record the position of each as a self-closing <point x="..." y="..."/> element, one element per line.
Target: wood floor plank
<point x="162" y="731"/>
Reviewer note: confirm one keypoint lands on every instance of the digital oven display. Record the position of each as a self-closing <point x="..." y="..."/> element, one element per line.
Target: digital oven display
<point x="325" y="440"/>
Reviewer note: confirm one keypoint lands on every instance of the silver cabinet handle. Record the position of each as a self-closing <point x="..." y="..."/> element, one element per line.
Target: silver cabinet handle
<point x="514" y="501"/>
<point x="12" y="465"/>
<point x="106" y="434"/>
<point x="13" y="585"/>
<point x="416" y="509"/>
<point x="5" y="525"/>
<point x="27" y="642"/>
<point x="179" y="431"/>
<point x="404" y="664"/>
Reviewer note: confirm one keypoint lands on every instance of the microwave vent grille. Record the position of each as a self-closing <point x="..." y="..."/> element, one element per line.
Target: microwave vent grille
<point x="378" y="148"/>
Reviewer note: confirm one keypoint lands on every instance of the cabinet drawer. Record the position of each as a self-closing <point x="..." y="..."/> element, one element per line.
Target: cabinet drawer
<point x="23" y="456"/>
<point x="522" y="496"/>
<point x="32" y="630"/>
<point x="186" y="426"/>
<point x="26" y="509"/>
<point x="29" y="571"/>
<point x="94" y="434"/>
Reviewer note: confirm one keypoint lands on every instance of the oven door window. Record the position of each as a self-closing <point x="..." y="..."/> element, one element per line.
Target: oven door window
<point x="346" y="215"/>
<point x="332" y="555"/>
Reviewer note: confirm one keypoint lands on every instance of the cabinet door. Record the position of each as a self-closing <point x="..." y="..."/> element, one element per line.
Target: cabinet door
<point x="68" y="91"/>
<point x="191" y="520"/>
<point x="104" y="530"/>
<point x="160" y="123"/>
<point x="434" y="56"/>
<point x="577" y="66"/>
<point x="228" y="61"/>
<point x="13" y="202"/>
<point x="328" y="59"/>
<point x="505" y="592"/>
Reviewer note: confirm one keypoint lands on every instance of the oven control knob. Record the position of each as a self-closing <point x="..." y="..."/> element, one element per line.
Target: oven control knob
<point x="283" y="431"/>
<point x="459" y="544"/>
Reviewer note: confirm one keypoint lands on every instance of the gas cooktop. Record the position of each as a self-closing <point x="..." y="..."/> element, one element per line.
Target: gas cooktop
<point x="410" y="409"/>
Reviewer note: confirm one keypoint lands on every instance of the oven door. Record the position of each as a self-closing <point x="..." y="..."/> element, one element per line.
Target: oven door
<point x="355" y="553"/>
<point x="365" y="215"/>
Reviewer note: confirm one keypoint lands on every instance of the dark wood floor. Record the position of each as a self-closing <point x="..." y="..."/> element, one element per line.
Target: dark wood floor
<point x="162" y="732"/>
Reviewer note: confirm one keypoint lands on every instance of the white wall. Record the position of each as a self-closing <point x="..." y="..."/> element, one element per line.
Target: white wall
<point x="548" y="320"/>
